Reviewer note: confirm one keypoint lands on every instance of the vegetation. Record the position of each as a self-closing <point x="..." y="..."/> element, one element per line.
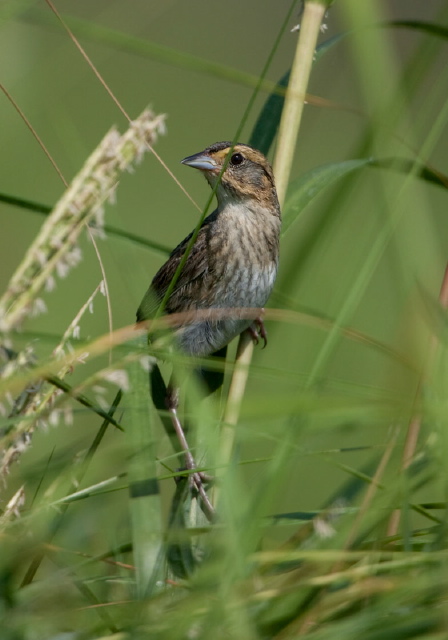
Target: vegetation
<point x="328" y="448"/>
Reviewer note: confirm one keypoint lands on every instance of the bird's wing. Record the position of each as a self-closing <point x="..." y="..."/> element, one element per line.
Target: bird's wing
<point x="194" y="270"/>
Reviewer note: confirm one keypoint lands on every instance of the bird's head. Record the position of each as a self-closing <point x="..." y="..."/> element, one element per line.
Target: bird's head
<point x="247" y="175"/>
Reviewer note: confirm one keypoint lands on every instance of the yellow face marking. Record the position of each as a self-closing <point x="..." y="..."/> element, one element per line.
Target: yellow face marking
<point x="247" y="152"/>
<point x="221" y="155"/>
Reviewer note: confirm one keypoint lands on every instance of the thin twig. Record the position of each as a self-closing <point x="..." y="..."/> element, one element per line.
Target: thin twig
<point x="35" y="134"/>
<point x="106" y="286"/>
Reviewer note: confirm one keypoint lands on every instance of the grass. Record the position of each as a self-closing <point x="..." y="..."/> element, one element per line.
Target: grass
<point x="329" y="447"/>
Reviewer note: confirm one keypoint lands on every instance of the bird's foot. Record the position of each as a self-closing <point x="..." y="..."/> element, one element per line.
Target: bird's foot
<point x="257" y="330"/>
<point x="196" y="479"/>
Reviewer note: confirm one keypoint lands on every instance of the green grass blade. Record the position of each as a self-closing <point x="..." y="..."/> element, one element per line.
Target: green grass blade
<point x="266" y="127"/>
<point x="304" y="190"/>
<point x="144" y="496"/>
<point x="139" y="46"/>
<point x="419" y="25"/>
<point x="267" y="123"/>
<point x="38" y="207"/>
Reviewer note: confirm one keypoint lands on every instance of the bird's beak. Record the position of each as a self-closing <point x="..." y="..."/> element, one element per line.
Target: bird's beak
<point x="200" y="161"/>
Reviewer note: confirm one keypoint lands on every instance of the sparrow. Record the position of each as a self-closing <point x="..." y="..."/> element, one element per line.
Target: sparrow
<point x="231" y="266"/>
<point x="233" y="262"/>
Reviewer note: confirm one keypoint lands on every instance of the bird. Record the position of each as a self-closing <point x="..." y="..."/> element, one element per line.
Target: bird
<point x="232" y="264"/>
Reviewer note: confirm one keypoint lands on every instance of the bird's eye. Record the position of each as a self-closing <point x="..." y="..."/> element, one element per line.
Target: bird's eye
<point x="236" y="158"/>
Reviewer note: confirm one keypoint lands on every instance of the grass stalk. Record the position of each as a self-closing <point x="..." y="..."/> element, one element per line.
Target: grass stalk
<point x="289" y="127"/>
<point x="313" y="15"/>
<point x="55" y="248"/>
<point x="144" y="496"/>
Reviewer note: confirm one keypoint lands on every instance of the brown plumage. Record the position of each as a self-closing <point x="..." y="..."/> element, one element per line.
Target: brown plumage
<point x="233" y="262"/>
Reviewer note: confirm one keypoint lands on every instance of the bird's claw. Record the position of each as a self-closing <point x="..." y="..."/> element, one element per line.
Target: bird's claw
<point x="257" y="330"/>
<point x="195" y="478"/>
<point x="196" y="481"/>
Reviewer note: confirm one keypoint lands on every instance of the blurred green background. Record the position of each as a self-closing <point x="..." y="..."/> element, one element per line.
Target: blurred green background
<point x="320" y="261"/>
